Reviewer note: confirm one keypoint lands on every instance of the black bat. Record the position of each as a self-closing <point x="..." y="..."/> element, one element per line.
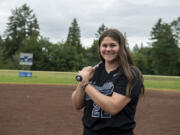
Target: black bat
<point x="79" y="77"/>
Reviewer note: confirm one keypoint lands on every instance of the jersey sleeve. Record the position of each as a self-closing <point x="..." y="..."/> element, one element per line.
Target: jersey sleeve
<point x="121" y="84"/>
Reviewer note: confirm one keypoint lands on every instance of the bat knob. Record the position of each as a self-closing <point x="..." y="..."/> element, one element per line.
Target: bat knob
<point x="78" y="78"/>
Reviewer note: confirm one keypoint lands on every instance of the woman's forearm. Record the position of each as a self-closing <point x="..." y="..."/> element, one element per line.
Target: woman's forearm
<point x="110" y="104"/>
<point x="78" y="97"/>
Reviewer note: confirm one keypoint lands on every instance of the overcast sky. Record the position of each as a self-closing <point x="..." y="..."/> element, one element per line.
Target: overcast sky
<point x="135" y="17"/>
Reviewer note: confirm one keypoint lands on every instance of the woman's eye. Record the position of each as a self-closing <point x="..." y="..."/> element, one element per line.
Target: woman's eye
<point x="104" y="45"/>
<point x="113" y="45"/>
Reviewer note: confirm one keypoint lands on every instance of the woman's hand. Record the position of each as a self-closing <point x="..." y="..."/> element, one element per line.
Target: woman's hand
<point x="86" y="73"/>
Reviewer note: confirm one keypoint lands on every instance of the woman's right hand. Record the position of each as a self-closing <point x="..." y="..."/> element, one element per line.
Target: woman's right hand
<point x="86" y="73"/>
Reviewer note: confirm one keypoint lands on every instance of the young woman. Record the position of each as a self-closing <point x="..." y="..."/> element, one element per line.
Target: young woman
<point x="109" y="94"/>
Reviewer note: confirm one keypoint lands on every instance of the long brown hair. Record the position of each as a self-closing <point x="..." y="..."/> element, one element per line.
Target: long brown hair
<point x="125" y="60"/>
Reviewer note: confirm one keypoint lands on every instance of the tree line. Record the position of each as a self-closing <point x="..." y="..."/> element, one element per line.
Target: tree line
<point x="22" y="34"/>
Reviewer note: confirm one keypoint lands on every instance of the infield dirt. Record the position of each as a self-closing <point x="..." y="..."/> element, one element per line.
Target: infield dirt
<point x="47" y="110"/>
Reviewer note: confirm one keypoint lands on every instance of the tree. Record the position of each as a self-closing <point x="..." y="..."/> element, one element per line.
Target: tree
<point x="101" y="29"/>
<point x="175" y="25"/>
<point x="126" y="41"/>
<point x="140" y="62"/>
<point x="92" y="52"/>
<point x="178" y="63"/>
<point x="1" y="56"/>
<point x="22" y="25"/>
<point x="65" y="58"/>
<point x="74" y="48"/>
<point x="176" y="31"/>
<point x="139" y="59"/>
<point x="164" y="49"/>
<point x="147" y="53"/>
<point x="41" y="52"/>
<point x="1" y="42"/>
<point x="73" y="37"/>
<point x="135" y="49"/>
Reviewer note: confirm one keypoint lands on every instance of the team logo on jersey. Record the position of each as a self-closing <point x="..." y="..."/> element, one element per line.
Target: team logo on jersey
<point x="106" y="89"/>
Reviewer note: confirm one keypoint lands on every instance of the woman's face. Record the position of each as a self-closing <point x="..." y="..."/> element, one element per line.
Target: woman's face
<point x="109" y="49"/>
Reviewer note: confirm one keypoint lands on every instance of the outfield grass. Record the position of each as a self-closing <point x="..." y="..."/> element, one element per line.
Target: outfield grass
<point x="38" y="77"/>
<point x="162" y="82"/>
<point x="68" y="78"/>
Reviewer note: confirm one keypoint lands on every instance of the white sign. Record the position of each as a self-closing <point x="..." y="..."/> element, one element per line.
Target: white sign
<point x="26" y="59"/>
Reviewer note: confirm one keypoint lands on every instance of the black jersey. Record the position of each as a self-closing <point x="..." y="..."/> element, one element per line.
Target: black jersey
<point x="94" y="117"/>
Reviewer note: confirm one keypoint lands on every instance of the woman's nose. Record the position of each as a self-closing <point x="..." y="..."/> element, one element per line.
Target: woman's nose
<point x="108" y="48"/>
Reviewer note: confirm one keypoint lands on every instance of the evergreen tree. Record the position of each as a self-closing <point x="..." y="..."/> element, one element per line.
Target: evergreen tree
<point x="164" y="49"/>
<point x="176" y="31"/>
<point x="175" y="25"/>
<point x="126" y="41"/>
<point x="135" y="49"/>
<point x="73" y="49"/>
<point x="22" y="25"/>
<point x="92" y="53"/>
<point x="1" y="43"/>
<point x="73" y="37"/>
<point x="101" y="29"/>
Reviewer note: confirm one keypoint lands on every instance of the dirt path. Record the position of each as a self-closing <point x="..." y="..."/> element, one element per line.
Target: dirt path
<point x="47" y="110"/>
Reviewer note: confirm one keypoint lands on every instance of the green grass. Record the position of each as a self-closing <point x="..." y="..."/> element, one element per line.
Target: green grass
<point x="165" y="85"/>
<point x="38" y="77"/>
<point x="162" y="82"/>
<point x="68" y="78"/>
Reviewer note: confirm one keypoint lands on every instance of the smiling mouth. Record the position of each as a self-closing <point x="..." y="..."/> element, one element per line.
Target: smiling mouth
<point x="109" y="54"/>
